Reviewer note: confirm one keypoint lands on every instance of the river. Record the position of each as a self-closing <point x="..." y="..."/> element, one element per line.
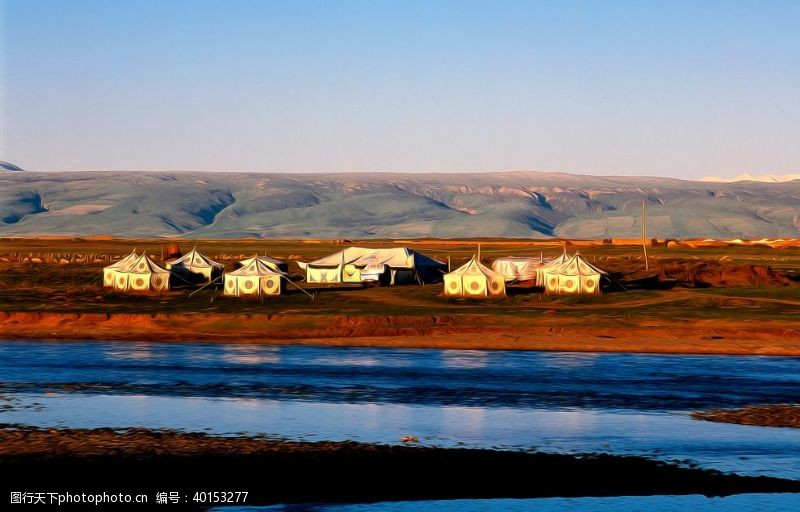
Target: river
<point x="550" y="401"/>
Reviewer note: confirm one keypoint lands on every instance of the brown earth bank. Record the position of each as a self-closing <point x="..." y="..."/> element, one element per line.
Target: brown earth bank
<point x="777" y="415"/>
<point x="706" y="300"/>
<point x="485" y="332"/>
<point x="142" y="461"/>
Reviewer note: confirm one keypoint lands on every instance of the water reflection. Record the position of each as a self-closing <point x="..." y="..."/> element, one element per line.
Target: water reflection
<point x="745" y="449"/>
<point x="464" y="358"/>
<point x="624" y="403"/>
<point x="250" y="355"/>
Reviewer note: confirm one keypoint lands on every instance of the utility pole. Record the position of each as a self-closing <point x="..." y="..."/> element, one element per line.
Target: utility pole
<point x="644" y="234"/>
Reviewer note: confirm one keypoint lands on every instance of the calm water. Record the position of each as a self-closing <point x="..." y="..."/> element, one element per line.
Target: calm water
<point x="564" y="402"/>
<point x="741" y="503"/>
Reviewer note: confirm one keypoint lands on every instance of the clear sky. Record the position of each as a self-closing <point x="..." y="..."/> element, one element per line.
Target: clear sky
<point x="674" y="88"/>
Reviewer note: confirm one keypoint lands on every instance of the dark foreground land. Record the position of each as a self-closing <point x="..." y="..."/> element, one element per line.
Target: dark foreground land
<point x="276" y="471"/>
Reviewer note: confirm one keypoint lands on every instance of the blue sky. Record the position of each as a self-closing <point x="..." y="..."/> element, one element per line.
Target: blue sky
<point x="682" y="89"/>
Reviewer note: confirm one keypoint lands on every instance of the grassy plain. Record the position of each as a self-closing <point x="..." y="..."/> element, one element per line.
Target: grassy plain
<point x="737" y="300"/>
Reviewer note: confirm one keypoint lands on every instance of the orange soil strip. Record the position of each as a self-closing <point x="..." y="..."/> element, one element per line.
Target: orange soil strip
<point x="779" y="415"/>
<point x="452" y="332"/>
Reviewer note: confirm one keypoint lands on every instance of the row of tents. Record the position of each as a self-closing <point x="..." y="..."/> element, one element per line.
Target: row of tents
<point x="262" y="275"/>
<point x="564" y="275"/>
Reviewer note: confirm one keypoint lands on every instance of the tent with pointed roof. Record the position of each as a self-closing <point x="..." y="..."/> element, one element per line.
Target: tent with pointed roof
<point x="394" y="265"/>
<point x="143" y="274"/>
<point x="474" y="279"/>
<point x="110" y="272"/>
<point x="518" y="268"/>
<point x="552" y="264"/>
<point x="197" y="266"/>
<point x="255" y="278"/>
<point x="275" y="264"/>
<point x="574" y="276"/>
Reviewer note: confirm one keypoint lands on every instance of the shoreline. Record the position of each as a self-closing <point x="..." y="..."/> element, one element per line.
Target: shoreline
<point x="277" y="471"/>
<point x="471" y="332"/>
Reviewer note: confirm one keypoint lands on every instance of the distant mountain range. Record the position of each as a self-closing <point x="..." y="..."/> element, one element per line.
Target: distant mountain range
<point x="5" y="166"/>
<point x="390" y="205"/>
<point x="763" y="178"/>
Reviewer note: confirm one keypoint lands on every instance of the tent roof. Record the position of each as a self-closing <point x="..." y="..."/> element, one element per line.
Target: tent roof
<point x="195" y="259"/>
<point x="557" y="262"/>
<point x="398" y="257"/>
<point x="144" y="265"/>
<point x="124" y="262"/>
<point x="255" y="267"/>
<point x="577" y="265"/>
<point x="475" y="267"/>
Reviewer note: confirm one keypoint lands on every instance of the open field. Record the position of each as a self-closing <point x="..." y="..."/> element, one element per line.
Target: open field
<point x="737" y="300"/>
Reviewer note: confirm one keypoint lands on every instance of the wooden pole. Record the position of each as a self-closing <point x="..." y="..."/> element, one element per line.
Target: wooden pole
<point x="644" y="234"/>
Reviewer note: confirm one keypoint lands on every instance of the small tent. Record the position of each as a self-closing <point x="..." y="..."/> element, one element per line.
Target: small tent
<point x="518" y="268"/>
<point x="143" y="274"/>
<point x="110" y="272"/>
<point x="474" y="279"/>
<point x="574" y="276"/>
<point x="395" y="265"/>
<point x="277" y="265"/>
<point x="254" y="278"/>
<point x="196" y="266"/>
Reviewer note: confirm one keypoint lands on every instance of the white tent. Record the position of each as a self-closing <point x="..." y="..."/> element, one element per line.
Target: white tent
<point x="575" y="276"/>
<point x="254" y="278"/>
<point x="110" y="272"/>
<point x="143" y="274"/>
<point x="277" y="265"/>
<point x="518" y="268"/>
<point x="552" y="264"/>
<point x="357" y="265"/>
<point x="474" y="279"/>
<point x="194" y="263"/>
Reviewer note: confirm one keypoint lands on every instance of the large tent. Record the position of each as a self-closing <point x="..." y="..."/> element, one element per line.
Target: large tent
<point x="254" y="278"/>
<point x="518" y="268"/>
<point x="575" y="276"/>
<point x="143" y="274"/>
<point x="277" y="265"/>
<point x="196" y="266"/>
<point x="396" y="265"/>
<point x="552" y="264"/>
<point x="110" y="272"/>
<point x="474" y="279"/>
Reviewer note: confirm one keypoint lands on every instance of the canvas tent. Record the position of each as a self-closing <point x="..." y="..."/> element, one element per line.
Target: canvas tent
<point x="474" y="279"/>
<point x="196" y="266"/>
<point x="518" y="268"/>
<point x="574" y="276"/>
<point x="255" y="278"/>
<point x="395" y="265"/>
<point x="277" y="265"/>
<point x="143" y="274"/>
<point x="552" y="264"/>
<point x="110" y="272"/>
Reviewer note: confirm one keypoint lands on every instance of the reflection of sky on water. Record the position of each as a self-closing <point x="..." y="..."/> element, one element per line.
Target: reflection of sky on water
<point x="693" y="503"/>
<point x="464" y="358"/>
<point x="747" y="449"/>
<point x="246" y="354"/>
<point x="573" y="402"/>
<point x="133" y="351"/>
<point x="569" y="360"/>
